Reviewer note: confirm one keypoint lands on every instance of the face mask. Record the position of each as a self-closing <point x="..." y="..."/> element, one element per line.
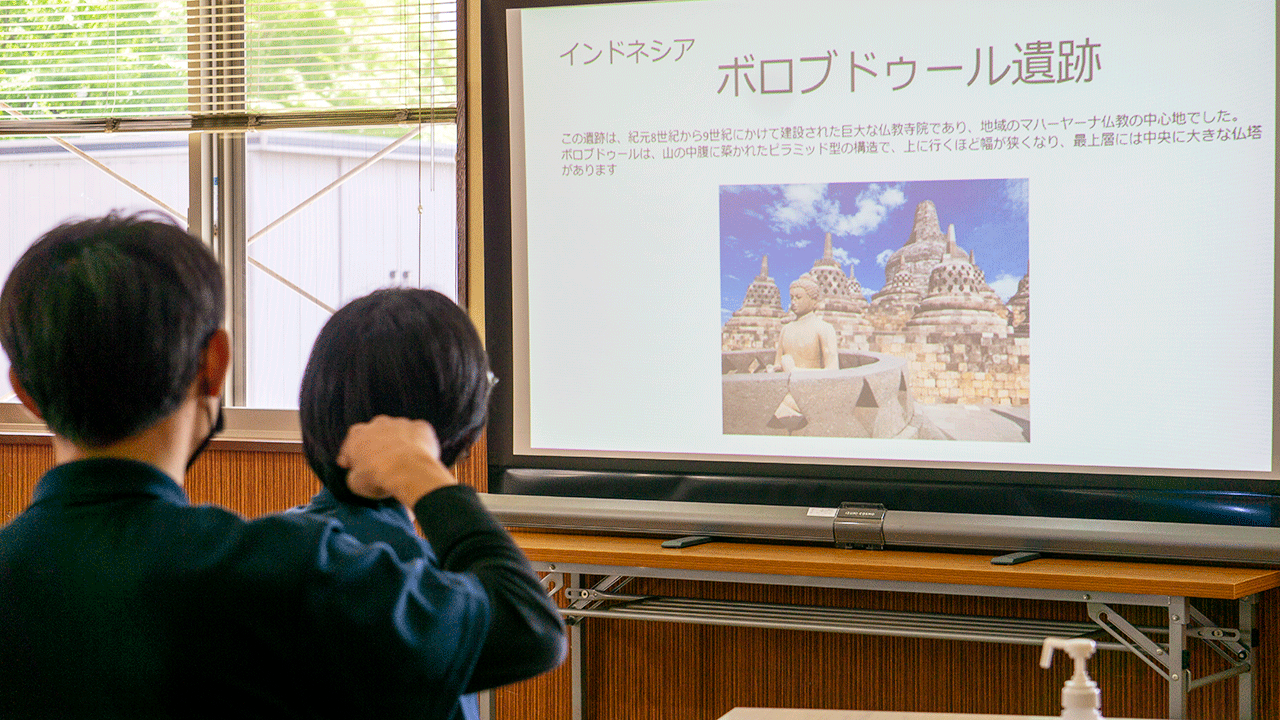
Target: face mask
<point x="215" y="427"/>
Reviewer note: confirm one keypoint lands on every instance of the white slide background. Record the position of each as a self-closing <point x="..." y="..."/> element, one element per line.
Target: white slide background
<point x="1152" y="256"/>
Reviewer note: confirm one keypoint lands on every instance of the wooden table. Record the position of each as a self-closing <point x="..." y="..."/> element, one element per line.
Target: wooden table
<point x="778" y="714"/>
<point x="1100" y="584"/>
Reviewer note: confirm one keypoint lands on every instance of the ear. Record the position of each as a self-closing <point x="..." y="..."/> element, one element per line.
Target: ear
<point x="23" y="397"/>
<point x="214" y="361"/>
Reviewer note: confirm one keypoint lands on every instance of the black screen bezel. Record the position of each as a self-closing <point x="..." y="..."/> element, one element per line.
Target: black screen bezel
<point x="1088" y="493"/>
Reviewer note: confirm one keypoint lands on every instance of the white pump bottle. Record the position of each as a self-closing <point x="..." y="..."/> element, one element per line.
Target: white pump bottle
<point x="1081" y="698"/>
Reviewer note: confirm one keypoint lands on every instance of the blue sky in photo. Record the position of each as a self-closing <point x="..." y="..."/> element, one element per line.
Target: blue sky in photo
<point x="867" y="222"/>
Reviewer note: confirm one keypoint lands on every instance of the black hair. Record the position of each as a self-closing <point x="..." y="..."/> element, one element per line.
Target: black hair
<point x="403" y="352"/>
<point x="104" y="321"/>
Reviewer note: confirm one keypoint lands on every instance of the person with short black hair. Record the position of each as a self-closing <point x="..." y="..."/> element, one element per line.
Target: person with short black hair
<point x="411" y="353"/>
<point x="403" y="352"/>
<point x="118" y="599"/>
<point x="105" y="322"/>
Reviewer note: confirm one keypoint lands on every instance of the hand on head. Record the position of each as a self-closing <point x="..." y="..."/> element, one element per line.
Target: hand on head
<point x="393" y="457"/>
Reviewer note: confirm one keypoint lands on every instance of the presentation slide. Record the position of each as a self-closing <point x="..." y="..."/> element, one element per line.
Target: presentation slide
<point x="815" y="231"/>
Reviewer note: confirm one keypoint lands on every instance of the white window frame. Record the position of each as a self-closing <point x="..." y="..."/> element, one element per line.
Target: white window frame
<point x="217" y="197"/>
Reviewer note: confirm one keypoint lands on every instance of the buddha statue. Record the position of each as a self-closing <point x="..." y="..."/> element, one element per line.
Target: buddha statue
<point x="808" y="342"/>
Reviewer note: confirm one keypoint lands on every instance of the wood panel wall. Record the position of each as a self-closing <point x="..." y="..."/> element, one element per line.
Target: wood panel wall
<point x="664" y="671"/>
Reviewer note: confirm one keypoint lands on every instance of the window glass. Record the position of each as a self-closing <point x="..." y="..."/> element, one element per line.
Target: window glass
<point x="347" y="180"/>
<point x="332" y="216"/>
<point x="44" y="182"/>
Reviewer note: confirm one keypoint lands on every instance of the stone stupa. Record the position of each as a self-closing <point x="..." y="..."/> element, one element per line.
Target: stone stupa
<point x="842" y="303"/>
<point x="959" y="301"/>
<point x="1019" y="305"/>
<point x="755" y="325"/>
<point x="908" y="269"/>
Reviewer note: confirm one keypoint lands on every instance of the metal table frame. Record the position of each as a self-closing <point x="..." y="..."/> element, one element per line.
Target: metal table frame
<point x="1162" y="648"/>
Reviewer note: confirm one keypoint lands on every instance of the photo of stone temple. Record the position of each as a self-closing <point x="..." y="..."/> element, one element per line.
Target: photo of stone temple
<point x="934" y="353"/>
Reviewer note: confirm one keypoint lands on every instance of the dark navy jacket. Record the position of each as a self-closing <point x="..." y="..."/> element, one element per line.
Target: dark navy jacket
<point x="119" y="599"/>
<point x="386" y="522"/>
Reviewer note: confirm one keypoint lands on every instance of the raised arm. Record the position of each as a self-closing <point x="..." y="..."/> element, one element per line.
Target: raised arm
<point x="398" y="458"/>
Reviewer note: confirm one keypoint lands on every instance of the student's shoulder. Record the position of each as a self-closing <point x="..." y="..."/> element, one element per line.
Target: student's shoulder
<point x="277" y="534"/>
<point x="291" y="520"/>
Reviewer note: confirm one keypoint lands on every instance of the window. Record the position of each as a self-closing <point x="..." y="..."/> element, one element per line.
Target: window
<point x="311" y="143"/>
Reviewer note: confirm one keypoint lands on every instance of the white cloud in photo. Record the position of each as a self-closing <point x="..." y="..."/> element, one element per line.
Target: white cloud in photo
<point x="1005" y="286"/>
<point x="1017" y="193"/>
<point x="882" y="258"/>
<point x="843" y="257"/>
<point x="799" y="207"/>
<point x="874" y="205"/>
<point x="796" y="244"/>
<point x="799" y="210"/>
<point x="805" y="207"/>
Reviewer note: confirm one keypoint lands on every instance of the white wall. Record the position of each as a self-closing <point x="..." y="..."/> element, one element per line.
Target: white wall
<point x="340" y="247"/>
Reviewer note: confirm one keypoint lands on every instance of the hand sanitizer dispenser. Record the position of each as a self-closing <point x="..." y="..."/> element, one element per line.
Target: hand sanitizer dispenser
<point x="1080" y="695"/>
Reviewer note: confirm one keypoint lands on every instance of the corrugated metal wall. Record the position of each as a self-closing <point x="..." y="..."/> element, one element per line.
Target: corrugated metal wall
<point x="392" y="223"/>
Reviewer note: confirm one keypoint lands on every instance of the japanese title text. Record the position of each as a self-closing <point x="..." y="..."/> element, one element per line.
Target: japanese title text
<point x="1037" y="62"/>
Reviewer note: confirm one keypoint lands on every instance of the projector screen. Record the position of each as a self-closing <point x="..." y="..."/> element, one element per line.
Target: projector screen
<point x="798" y="240"/>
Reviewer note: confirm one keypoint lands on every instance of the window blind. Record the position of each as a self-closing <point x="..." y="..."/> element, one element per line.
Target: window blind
<point x="117" y="65"/>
